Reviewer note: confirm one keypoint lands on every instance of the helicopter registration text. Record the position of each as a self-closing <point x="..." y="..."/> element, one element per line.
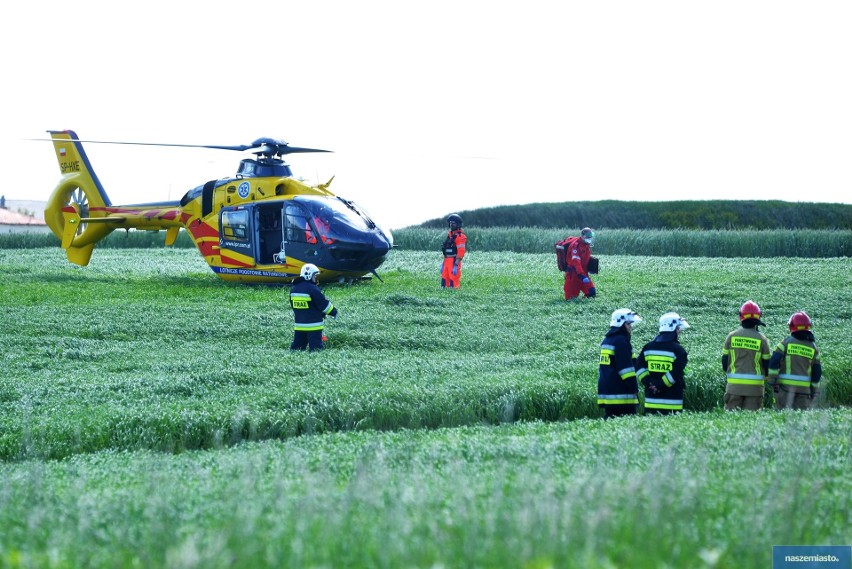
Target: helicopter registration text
<point x="67" y="167"/>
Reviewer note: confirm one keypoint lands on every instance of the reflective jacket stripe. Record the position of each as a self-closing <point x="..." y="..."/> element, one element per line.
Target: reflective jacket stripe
<point x="797" y="380"/>
<point x="627" y="373"/>
<point x="666" y="354"/>
<point x="755" y="364"/>
<point x="745" y="381"/>
<point x="745" y="378"/>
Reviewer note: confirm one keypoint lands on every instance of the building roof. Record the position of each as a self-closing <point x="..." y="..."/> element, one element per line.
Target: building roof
<point x="9" y="217"/>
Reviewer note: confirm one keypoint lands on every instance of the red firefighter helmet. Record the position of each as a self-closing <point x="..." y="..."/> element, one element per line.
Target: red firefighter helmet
<point x="799" y="321"/>
<point x="750" y="309"/>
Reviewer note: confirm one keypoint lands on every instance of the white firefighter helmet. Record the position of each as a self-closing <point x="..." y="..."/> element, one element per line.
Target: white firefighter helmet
<point x="623" y="316"/>
<point x="671" y="322"/>
<point x="309" y="271"/>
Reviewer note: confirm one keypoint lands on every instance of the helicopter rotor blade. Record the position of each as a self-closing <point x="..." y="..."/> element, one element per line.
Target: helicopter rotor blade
<point x="273" y="146"/>
<point x="239" y="148"/>
<point x="268" y="146"/>
<point x="296" y="150"/>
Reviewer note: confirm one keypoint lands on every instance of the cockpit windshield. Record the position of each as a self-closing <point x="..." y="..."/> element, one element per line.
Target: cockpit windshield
<point x="334" y="218"/>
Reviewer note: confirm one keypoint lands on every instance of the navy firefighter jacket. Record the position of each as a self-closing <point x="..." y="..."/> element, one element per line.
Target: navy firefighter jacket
<point x="616" y="374"/>
<point x="661" y="365"/>
<point x="309" y="305"/>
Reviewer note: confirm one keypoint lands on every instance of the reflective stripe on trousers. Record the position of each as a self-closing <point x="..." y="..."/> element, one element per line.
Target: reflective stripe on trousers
<point x="619" y="399"/>
<point x="663" y="403"/>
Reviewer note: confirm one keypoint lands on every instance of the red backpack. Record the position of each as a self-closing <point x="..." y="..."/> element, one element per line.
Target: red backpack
<point x="561" y="249"/>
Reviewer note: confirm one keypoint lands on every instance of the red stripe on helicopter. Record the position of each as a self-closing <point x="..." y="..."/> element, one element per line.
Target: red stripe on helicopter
<point x="206" y="248"/>
<point x="232" y="261"/>
<point x="199" y="230"/>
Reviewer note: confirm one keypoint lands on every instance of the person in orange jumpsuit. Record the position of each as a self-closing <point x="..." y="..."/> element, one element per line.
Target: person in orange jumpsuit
<point x="454" y="249"/>
<point x="577" y="254"/>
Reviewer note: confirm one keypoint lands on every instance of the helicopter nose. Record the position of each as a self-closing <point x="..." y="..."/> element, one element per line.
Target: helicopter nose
<point x="381" y="246"/>
<point x="382" y="242"/>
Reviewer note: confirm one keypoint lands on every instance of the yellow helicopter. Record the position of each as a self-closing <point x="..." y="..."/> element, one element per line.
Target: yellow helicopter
<point x="260" y="226"/>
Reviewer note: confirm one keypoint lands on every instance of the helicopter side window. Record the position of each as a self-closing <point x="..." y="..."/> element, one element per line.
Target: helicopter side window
<point x="295" y="222"/>
<point x="235" y="225"/>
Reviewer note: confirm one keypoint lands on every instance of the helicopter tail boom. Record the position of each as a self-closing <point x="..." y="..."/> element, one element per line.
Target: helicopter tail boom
<point x="78" y="195"/>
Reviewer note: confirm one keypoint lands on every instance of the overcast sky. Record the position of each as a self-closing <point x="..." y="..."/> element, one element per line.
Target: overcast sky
<point x="433" y="107"/>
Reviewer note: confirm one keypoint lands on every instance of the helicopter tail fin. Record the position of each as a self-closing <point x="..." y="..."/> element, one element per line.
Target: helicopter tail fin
<point x="77" y="199"/>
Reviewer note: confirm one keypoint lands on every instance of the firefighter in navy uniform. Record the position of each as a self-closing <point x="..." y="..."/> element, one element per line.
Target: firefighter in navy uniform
<point x="310" y="307"/>
<point x="795" y="368"/>
<point x="618" y="392"/>
<point x="745" y="359"/>
<point x="454" y="249"/>
<point x="661" y="366"/>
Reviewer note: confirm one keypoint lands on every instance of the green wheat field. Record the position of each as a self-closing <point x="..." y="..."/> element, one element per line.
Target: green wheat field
<point x="152" y="415"/>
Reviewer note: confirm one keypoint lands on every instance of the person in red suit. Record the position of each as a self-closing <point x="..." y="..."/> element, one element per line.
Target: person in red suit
<point x="578" y="251"/>
<point x="454" y="249"/>
<point x="323" y="227"/>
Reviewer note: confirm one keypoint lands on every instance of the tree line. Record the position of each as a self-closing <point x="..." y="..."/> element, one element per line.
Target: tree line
<point x="707" y="215"/>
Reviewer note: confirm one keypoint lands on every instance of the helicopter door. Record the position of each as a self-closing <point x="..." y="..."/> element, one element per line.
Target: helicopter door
<point x="298" y="233"/>
<point x="270" y="236"/>
<point x="235" y="242"/>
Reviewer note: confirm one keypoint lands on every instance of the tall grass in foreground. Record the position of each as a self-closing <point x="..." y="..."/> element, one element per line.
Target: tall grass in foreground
<point x="321" y="460"/>
<point x="646" y="242"/>
<point x="690" y="491"/>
